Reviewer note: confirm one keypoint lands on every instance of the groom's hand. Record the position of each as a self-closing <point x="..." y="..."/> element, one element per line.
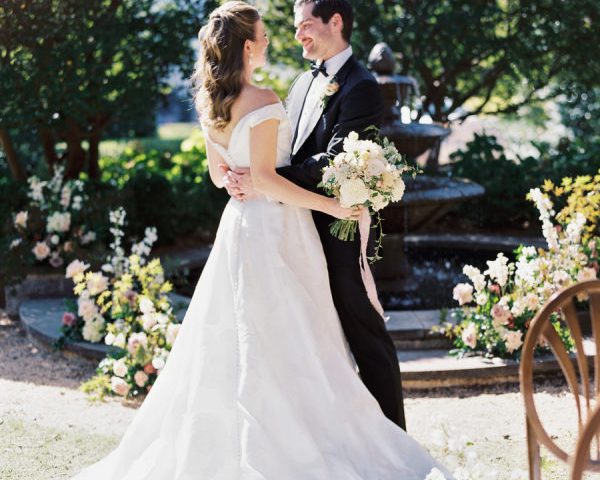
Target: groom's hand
<point x="242" y="179"/>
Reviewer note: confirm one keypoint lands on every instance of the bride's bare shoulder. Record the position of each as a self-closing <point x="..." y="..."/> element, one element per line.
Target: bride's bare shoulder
<point x="253" y="97"/>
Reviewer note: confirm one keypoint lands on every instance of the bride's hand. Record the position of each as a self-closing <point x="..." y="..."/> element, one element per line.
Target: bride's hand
<point x="337" y="211"/>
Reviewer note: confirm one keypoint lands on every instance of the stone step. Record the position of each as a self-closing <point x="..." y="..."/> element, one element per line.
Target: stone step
<point x="411" y="330"/>
<point x="421" y="368"/>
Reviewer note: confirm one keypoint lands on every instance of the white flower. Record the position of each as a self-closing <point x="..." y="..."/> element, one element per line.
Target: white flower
<point x="15" y="243"/>
<point x="532" y="301"/>
<point x="76" y="268"/>
<point x="140" y="378"/>
<point x="92" y="329"/>
<point x="378" y="201"/>
<point x="161" y="318"/>
<point x="59" y="222"/>
<point x="109" y="339"/>
<point x="463" y="293"/>
<point x="86" y="309"/>
<point x="435" y="474"/>
<point x="398" y="190"/>
<point x="158" y="363"/>
<point x="500" y="314"/>
<point x="481" y="298"/>
<point x="150" y="235"/>
<point x="41" y="251"/>
<point x="21" y="219"/>
<point x="119" y="386"/>
<point x="54" y="239"/>
<point x="498" y="269"/>
<point x="148" y="321"/>
<point x="96" y="283"/>
<point x="65" y="196"/>
<point x="89" y="237"/>
<point x="475" y="276"/>
<point x="353" y="192"/>
<point x="136" y="340"/>
<point x="469" y="335"/>
<point x="172" y="331"/>
<point x="513" y="340"/>
<point x="586" y="274"/>
<point x="120" y="340"/>
<point x="146" y="305"/>
<point x="120" y="368"/>
<point x="77" y="202"/>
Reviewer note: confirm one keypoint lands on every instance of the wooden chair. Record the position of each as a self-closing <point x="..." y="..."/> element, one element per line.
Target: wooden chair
<point x="582" y="461"/>
<point x="541" y="329"/>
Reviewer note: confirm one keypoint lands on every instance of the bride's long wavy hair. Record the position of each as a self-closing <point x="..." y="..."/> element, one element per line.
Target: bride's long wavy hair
<point x="219" y="71"/>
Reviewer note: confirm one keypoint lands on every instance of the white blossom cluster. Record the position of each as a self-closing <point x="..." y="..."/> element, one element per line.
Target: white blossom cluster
<point x="55" y="201"/>
<point x="365" y="173"/>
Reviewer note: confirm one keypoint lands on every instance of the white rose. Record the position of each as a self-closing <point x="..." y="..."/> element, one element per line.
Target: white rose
<point x="76" y="268"/>
<point x="353" y="192"/>
<point x="59" y="222"/>
<point x="41" y="251"/>
<point x="21" y="219"/>
<point x="398" y="190"/>
<point x="97" y="283"/>
<point x="86" y="309"/>
<point x="146" y="305"/>
<point x="140" y="378"/>
<point x="586" y="274"/>
<point x="172" y="331"/>
<point x="463" y="293"/>
<point x="54" y="239"/>
<point x="513" y="340"/>
<point x="532" y="301"/>
<point x="109" y="338"/>
<point x="375" y="167"/>
<point x="120" y="340"/>
<point x="378" y="201"/>
<point x="119" y="386"/>
<point x="120" y="368"/>
<point x="469" y="335"/>
<point x="158" y="363"/>
<point x="92" y="331"/>
<point x="15" y="243"/>
<point x="89" y="237"/>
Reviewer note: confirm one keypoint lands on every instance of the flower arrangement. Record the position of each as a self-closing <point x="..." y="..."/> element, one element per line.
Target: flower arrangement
<point x="498" y="304"/>
<point x="365" y="173"/>
<point x="126" y="306"/>
<point x="51" y="230"/>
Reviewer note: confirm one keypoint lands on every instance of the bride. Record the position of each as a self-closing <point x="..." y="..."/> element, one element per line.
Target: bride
<point x="259" y="384"/>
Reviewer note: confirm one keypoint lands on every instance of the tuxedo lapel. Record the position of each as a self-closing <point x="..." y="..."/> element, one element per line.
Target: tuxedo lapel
<point x="340" y="78"/>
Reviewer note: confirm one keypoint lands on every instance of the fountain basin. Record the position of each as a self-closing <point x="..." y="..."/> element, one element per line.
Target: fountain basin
<point x="426" y="200"/>
<point x="413" y="139"/>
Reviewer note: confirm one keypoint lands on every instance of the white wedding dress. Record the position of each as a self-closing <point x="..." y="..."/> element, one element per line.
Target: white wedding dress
<point x="260" y="384"/>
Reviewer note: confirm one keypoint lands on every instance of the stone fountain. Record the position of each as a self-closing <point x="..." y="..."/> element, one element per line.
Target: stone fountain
<point x="427" y="197"/>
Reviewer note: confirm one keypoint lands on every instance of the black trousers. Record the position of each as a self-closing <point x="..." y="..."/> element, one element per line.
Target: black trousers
<point x="370" y="343"/>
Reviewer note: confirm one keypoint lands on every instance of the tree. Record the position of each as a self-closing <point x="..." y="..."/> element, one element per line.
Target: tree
<point x="472" y="56"/>
<point x="70" y="68"/>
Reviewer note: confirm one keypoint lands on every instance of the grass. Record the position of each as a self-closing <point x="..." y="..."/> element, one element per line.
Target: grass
<point x="33" y="452"/>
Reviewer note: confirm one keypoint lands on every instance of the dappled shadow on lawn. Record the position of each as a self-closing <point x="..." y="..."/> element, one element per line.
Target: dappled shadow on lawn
<point x="23" y="361"/>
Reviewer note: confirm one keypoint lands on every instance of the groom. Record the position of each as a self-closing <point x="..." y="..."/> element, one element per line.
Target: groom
<point x="336" y="97"/>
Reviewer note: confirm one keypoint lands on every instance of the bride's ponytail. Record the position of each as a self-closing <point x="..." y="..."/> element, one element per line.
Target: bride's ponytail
<point x="219" y="71"/>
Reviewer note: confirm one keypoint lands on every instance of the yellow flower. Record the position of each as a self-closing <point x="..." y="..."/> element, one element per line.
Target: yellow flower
<point x="548" y="185"/>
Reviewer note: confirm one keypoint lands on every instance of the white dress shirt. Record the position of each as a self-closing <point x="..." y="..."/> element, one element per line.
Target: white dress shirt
<point x="313" y="96"/>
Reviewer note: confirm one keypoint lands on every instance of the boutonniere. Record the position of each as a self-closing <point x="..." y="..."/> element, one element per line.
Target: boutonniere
<point x="329" y="89"/>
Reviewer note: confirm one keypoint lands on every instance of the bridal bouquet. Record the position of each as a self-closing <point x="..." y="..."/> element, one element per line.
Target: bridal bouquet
<point x="367" y="173"/>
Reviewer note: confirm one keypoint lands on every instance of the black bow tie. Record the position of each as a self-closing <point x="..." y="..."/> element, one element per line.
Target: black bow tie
<point x="317" y="68"/>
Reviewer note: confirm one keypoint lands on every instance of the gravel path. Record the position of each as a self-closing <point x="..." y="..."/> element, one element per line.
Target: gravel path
<point x="49" y="430"/>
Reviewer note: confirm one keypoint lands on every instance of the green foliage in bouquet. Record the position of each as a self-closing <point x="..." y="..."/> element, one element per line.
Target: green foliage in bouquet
<point x="497" y="305"/>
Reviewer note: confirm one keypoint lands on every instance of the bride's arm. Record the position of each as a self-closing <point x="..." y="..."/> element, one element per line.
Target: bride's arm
<point x="214" y="160"/>
<point x="263" y="148"/>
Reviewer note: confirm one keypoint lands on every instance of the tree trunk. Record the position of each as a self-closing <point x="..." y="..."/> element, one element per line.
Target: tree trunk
<point x="75" y="152"/>
<point x="93" y="155"/>
<point x="14" y="163"/>
<point x="48" y="143"/>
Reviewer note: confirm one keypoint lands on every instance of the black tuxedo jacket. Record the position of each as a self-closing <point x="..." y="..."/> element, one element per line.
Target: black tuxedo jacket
<point x="357" y="105"/>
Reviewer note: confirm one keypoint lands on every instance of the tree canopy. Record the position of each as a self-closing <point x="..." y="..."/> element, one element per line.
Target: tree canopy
<point x="69" y="68"/>
<point x="472" y="56"/>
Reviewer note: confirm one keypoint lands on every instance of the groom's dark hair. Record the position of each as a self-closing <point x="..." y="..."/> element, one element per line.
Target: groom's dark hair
<point x="325" y="9"/>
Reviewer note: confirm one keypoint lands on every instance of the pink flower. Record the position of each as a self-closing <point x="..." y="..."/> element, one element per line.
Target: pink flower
<point x="55" y="260"/>
<point x="68" y="319"/>
<point x="136" y="340"/>
<point x="501" y="314"/>
<point x="469" y="335"/>
<point x="119" y="386"/>
<point x="463" y="293"/>
<point x="140" y="378"/>
<point x="41" y="250"/>
<point x="495" y="289"/>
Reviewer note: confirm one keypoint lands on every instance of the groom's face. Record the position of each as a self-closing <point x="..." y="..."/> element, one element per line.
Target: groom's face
<point x="314" y="35"/>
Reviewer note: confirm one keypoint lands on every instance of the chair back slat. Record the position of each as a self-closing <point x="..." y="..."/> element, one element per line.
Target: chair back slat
<point x="571" y="318"/>
<point x="581" y="460"/>
<point x="541" y="328"/>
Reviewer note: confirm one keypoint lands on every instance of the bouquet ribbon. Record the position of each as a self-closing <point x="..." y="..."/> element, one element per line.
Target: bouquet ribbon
<point x="364" y="225"/>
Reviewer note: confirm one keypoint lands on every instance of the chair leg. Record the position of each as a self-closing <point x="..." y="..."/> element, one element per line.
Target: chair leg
<point x="533" y="453"/>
